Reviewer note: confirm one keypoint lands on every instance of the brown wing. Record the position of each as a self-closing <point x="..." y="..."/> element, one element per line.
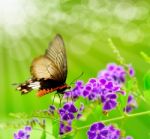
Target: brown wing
<point x="53" y="64"/>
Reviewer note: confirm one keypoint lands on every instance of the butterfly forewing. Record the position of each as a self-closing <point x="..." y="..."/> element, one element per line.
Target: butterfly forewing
<point x="53" y="64"/>
<point x="57" y="54"/>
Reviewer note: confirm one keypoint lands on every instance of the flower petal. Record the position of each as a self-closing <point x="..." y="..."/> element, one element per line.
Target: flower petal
<point x="91" y="135"/>
<point x="73" y="109"/>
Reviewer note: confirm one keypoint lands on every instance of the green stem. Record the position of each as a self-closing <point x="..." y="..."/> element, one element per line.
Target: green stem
<point x="42" y="130"/>
<point x="114" y="119"/>
<point x="117" y="53"/>
<point x="118" y="118"/>
<point x="139" y="114"/>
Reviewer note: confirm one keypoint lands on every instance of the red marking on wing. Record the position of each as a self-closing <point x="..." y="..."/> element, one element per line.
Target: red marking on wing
<point x="44" y="92"/>
<point x="47" y="91"/>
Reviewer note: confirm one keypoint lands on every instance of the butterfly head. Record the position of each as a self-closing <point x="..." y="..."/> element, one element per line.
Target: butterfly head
<point x="68" y="87"/>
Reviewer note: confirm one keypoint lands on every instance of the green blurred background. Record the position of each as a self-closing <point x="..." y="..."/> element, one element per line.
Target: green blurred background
<point x="27" y="26"/>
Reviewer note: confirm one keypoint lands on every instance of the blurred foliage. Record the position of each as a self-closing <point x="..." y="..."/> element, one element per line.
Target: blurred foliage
<point x="146" y="57"/>
<point x="43" y="135"/>
<point x="147" y="81"/>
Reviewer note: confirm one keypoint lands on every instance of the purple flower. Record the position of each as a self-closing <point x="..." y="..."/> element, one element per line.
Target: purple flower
<point x="96" y="131"/>
<point x="81" y="107"/>
<point x="70" y="111"/>
<point x="51" y="109"/>
<point x="131" y="71"/>
<point x="113" y="132"/>
<point x="131" y="104"/>
<point x="100" y="131"/>
<point x="65" y="127"/>
<point x="67" y="112"/>
<point x="109" y="101"/>
<point x="91" y="89"/>
<point x="79" y="114"/>
<point x="23" y="133"/>
<point x="27" y="128"/>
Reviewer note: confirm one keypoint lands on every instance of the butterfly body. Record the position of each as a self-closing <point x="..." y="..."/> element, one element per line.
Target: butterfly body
<point x="49" y="71"/>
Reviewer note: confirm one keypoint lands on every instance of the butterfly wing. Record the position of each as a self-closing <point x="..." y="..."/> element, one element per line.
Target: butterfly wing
<point x="56" y="52"/>
<point x="53" y="64"/>
<point x="49" y="71"/>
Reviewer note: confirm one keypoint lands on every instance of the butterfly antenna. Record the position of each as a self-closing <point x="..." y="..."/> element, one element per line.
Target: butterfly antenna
<point x="15" y="84"/>
<point x="73" y="82"/>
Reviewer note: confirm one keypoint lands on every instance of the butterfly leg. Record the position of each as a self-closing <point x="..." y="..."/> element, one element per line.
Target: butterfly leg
<point x="72" y="97"/>
<point x="53" y="99"/>
<point x="67" y="98"/>
<point x="60" y="98"/>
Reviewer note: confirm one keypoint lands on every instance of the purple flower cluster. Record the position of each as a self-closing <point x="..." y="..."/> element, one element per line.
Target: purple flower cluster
<point x="76" y="91"/>
<point x="131" y="104"/>
<point x="100" y="131"/>
<point x="65" y="126"/>
<point x="104" y="88"/>
<point x="114" y="72"/>
<point x="67" y="114"/>
<point x="23" y="133"/>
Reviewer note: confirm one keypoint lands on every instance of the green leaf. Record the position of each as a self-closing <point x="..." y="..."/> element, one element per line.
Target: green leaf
<point x="43" y="136"/>
<point x="147" y="81"/>
<point x="122" y="101"/>
<point x="81" y="134"/>
<point x="68" y="137"/>
<point x="55" y="129"/>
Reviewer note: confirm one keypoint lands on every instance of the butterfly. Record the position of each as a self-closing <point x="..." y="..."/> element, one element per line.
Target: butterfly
<point x="49" y="71"/>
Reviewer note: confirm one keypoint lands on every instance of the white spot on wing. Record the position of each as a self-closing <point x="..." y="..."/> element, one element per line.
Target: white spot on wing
<point x="34" y="85"/>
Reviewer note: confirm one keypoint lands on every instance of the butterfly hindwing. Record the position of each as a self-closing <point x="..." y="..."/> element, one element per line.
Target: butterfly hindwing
<point x="28" y="86"/>
<point x="42" y="67"/>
